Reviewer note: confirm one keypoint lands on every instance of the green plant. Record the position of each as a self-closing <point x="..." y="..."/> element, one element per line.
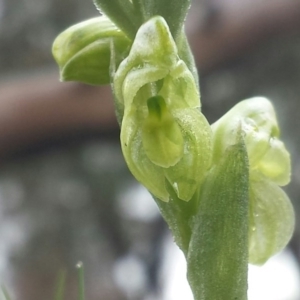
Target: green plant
<point x="216" y="186"/>
<point x="5" y="293"/>
<point x="61" y="284"/>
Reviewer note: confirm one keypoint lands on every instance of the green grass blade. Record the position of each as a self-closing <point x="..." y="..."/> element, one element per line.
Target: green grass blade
<point x="60" y="286"/>
<point x="79" y="266"/>
<point x="5" y="293"/>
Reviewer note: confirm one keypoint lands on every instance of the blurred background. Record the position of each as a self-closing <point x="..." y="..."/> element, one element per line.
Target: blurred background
<point x="65" y="192"/>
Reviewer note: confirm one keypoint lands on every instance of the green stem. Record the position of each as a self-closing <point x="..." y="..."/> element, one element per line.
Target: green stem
<point x="60" y="286"/>
<point x="139" y="7"/>
<point x="179" y="215"/>
<point x="79" y="266"/>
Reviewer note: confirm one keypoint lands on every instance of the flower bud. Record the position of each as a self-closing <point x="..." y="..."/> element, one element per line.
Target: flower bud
<point x="83" y="50"/>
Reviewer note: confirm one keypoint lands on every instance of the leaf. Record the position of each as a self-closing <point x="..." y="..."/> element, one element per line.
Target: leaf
<point x="122" y="13"/>
<point x="217" y="256"/>
<point x="173" y="11"/>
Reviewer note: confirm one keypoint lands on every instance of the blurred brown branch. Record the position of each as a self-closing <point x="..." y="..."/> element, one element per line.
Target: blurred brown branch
<point x="37" y="108"/>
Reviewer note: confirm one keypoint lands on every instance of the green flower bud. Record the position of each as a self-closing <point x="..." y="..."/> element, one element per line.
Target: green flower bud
<point x="83" y="51"/>
<point x="271" y="219"/>
<point x="267" y="154"/>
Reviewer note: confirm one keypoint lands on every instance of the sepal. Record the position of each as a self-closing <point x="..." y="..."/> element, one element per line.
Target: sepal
<point x="142" y="168"/>
<point x="153" y="62"/>
<point x="271" y="219"/>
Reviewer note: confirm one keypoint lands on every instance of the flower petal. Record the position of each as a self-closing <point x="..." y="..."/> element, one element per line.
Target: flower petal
<point x="144" y="170"/>
<point x="271" y="219"/>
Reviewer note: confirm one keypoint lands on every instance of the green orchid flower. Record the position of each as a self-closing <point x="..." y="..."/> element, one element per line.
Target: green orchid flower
<point x="271" y="215"/>
<point x="164" y="136"/>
